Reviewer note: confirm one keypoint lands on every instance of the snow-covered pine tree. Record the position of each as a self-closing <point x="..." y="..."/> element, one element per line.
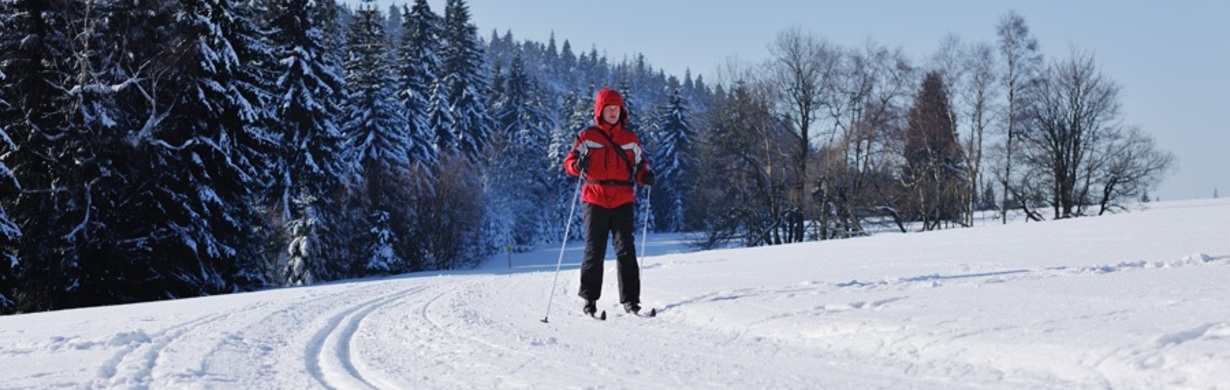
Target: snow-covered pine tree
<point x="498" y="53"/>
<point x="535" y="137"/>
<point x="393" y="23"/>
<point x="672" y="161"/>
<point x="463" y="81"/>
<point x="698" y="96"/>
<point x="376" y="127"/>
<point x="307" y="84"/>
<point x="499" y="162"/>
<point x="214" y="148"/>
<point x="633" y="105"/>
<point x="577" y="114"/>
<point x="593" y="70"/>
<point x="111" y="263"/>
<point x="10" y="234"/>
<point x="550" y="62"/>
<point x="440" y="119"/>
<point x="50" y="150"/>
<point x="566" y="69"/>
<point x="418" y="65"/>
<point x="517" y="169"/>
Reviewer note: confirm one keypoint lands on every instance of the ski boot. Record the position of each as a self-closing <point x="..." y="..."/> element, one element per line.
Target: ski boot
<point x="591" y="309"/>
<point x="632" y="307"/>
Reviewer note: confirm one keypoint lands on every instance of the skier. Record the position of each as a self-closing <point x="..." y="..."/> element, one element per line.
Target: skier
<point x="610" y="160"/>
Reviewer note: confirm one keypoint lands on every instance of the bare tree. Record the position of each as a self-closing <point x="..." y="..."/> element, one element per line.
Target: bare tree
<point x="798" y="70"/>
<point x="1076" y="141"/>
<point x="864" y="100"/>
<point x="1131" y="165"/>
<point x="950" y="64"/>
<point x="977" y="95"/>
<point x="1074" y="108"/>
<point x="1021" y="59"/>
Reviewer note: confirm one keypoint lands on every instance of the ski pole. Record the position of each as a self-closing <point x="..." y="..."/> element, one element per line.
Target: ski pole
<point x="567" y="226"/>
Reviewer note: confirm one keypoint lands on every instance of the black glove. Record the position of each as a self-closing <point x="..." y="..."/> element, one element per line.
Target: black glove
<point x="581" y="162"/>
<point x="647" y="178"/>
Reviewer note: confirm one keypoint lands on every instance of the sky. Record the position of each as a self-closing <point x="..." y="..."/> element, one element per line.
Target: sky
<point x="1169" y="57"/>
<point x="1127" y="301"/>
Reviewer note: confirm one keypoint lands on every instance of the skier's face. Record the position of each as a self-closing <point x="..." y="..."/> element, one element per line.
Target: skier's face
<point x="610" y="114"/>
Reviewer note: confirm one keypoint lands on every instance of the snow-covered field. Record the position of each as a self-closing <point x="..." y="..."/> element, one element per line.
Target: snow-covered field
<point x="1130" y="301"/>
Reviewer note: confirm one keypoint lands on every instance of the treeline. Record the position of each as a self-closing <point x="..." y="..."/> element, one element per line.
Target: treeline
<point x="156" y="150"/>
<point x="822" y="141"/>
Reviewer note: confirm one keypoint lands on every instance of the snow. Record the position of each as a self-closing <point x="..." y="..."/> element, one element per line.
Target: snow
<point x="1129" y="301"/>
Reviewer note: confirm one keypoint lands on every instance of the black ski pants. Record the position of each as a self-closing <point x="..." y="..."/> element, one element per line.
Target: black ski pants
<point x="601" y="222"/>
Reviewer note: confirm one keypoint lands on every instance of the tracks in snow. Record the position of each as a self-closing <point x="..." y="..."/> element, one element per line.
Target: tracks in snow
<point x="330" y="358"/>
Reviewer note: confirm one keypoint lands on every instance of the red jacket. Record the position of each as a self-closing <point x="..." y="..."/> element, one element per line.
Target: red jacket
<point x="608" y="182"/>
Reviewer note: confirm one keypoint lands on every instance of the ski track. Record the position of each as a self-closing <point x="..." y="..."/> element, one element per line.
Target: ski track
<point x="253" y="342"/>
<point x="140" y="360"/>
<point x="139" y="352"/>
<point x="285" y="357"/>
<point x="330" y="358"/>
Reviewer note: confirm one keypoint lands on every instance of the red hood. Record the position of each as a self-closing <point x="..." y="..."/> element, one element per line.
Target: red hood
<point x="609" y="97"/>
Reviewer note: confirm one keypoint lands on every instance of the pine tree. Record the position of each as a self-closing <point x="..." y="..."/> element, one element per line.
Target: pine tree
<point x="567" y="65"/>
<point x="306" y="90"/>
<point x="440" y="118"/>
<point x="576" y="113"/>
<point x="241" y="147"/>
<point x="213" y="145"/>
<point x="1022" y="62"/>
<point x="934" y="163"/>
<point x="673" y="161"/>
<point x="393" y="23"/>
<point x="124" y="117"/>
<point x="49" y="154"/>
<point x="517" y="168"/>
<point x="632" y="104"/>
<point x="462" y="84"/>
<point x="376" y="123"/>
<point x="10" y="234"/>
<point x="419" y="65"/>
<point x="376" y="127"/>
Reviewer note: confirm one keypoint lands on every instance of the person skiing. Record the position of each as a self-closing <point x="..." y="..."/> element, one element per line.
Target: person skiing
<point x="609" y="158"/>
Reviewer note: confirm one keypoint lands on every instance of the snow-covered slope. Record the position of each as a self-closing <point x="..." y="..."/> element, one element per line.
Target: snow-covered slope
<point x="1130" y="301"/>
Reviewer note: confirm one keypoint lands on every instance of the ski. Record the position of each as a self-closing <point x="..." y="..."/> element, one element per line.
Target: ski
<point x="600" y="316"/>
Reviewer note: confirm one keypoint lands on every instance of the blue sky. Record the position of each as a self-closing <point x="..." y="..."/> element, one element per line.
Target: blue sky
<point x="1171" y="59"/>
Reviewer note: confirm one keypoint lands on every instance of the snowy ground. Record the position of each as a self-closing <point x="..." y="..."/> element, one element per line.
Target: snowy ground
<point x="1131" y="301"/>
